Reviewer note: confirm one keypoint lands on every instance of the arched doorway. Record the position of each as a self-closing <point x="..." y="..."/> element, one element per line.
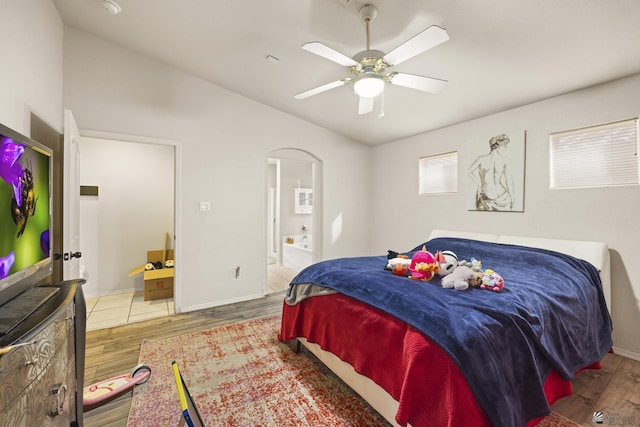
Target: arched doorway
<point x="293" y="220"/>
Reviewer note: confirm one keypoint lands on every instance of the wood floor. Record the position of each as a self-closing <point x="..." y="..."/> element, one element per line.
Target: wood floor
<point x="614" y="390"/>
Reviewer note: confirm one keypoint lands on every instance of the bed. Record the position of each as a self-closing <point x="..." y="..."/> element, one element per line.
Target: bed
<point x="422" y="355"/>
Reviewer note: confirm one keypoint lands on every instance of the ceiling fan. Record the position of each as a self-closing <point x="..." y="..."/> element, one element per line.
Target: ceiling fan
<point x="369" y="67"/>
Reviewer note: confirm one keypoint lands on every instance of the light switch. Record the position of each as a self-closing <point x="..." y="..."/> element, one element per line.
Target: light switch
<point x="205" y="206"/>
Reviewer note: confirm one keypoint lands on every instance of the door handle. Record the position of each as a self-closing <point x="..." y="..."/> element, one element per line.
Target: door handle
<point x="68" y="255"/>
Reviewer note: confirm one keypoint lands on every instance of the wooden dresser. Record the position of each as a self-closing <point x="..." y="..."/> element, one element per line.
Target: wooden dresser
<point x="39" y="382"/>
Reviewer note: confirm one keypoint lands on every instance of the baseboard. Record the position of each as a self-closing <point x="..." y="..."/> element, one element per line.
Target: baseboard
<point x="218" y="303"/>
<point x="626" y="353"/>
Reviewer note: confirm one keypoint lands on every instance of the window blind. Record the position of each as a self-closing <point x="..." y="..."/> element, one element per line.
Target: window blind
<point x="438" y="174"/>
<point x="595" y="156"/>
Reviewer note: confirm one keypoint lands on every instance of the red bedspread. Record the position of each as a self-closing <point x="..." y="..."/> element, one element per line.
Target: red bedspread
<point x="415" y="371"/>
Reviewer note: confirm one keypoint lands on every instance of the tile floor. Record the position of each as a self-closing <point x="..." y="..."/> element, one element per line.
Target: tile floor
<point x="278" y="277"/>
<point x="115" y="310"/>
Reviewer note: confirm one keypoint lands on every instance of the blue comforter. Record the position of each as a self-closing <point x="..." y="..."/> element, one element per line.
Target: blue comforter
<point x="550" y="315"/>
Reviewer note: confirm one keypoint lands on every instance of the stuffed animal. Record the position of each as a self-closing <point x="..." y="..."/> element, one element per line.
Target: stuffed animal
<point x="399" y="265"/>
<point x="447" y="261"/>
<point x="392" y="254"/>
<point x="476" y="266"/>
<point x="423" y="265"/>
<point x="492" y="281"/>
<point x="459" y="278"/>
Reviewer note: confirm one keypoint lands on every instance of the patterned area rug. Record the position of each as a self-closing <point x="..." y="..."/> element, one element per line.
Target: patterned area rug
<point x="241" y="375"/>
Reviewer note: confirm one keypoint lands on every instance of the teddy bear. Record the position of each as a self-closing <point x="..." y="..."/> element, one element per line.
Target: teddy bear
<point x="459" y="279"/>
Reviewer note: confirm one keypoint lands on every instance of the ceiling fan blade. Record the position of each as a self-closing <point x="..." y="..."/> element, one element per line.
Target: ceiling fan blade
<point x="329" y="53"/>
<point x="365" y="105"/>
<point x="427" y="84"/>
<point x="421" y="42"/>
<point x="320" y="89"/>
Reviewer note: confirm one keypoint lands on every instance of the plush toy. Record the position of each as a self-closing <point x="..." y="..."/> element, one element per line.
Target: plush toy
<point x="476" y="266"/>
<point x="459" y="278"/>
<point x="392" y="254"/>
<point x="423" y="265"/>
<point x="447" y="261"/>
<point x="399" y="265"/>
<point x="492" y="281"/>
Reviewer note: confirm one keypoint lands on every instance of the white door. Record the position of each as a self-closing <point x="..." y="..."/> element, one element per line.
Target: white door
<point x="272" y="240"/>
<point x="71" y="203"/>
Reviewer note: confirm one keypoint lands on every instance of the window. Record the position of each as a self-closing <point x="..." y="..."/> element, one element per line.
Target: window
<point x="438" y="174"/>
<point x="595" y="156"/>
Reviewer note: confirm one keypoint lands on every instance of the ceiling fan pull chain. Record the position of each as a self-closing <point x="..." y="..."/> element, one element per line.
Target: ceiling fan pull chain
<point x="381" y="115"/>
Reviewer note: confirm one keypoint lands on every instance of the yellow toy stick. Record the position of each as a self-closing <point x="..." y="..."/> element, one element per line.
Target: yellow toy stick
<point x="6" y="349"/>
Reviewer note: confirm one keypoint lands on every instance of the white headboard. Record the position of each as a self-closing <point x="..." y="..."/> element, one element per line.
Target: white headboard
<point x="596" y="253"/>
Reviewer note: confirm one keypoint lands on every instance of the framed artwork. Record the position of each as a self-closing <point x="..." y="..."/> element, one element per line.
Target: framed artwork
<point x="495" y="173"/>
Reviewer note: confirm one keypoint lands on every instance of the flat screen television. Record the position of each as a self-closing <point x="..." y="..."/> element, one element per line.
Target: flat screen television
<point x="25" y="213"/>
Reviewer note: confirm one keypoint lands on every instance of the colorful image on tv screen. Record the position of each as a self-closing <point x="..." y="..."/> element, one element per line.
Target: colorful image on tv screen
<point x="24" y="206"/>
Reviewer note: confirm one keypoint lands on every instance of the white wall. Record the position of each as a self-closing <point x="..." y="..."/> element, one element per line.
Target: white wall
<point x="600" y="214"/>
<point x="31" y="38"/>
<point x="225" y="141"/>
<point x="131" y="214"/>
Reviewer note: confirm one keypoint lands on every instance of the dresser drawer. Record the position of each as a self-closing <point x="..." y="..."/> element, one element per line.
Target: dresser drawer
<point x="21" y="366"/>
<point x="48" y="400"/>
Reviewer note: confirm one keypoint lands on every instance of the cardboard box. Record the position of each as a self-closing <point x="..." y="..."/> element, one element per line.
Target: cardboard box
<point x="157" y="283"/>
<point x="161" y="287"/>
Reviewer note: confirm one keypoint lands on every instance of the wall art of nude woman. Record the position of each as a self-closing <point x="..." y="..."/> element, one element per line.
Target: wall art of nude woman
<point x="492" y="175"/>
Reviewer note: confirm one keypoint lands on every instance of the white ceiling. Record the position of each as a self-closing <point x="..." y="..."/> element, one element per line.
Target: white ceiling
<point x="501" y="53"/>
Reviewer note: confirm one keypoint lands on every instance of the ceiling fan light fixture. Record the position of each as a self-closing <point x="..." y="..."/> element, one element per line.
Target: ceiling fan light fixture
<point x="369" y="67"/>
<point x="369" y="86"/>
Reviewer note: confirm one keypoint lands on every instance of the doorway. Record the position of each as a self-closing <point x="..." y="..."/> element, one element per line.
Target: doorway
<point x="293" y="215"/>
<point x="130" y="212"/>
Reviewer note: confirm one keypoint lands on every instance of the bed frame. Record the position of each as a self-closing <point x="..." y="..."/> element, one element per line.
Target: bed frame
<point x="596" y="253"/>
